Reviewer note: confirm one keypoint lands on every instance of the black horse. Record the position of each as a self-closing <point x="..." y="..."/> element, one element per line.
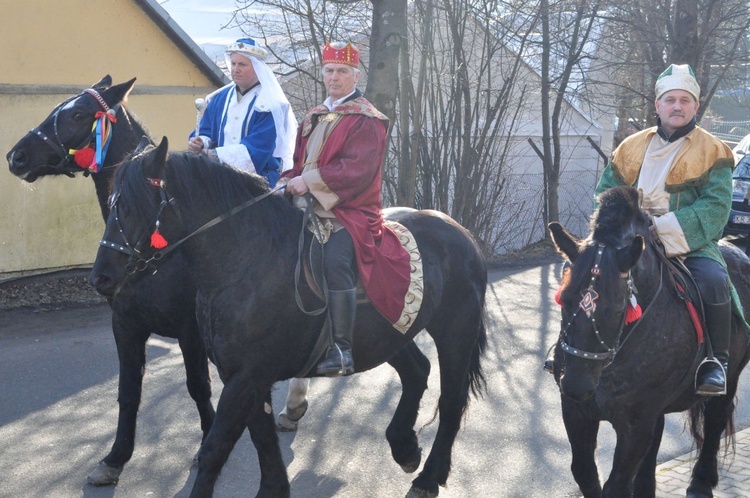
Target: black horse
<point x="632" y="374"/>
<point x="45" y="151"/>
<point x="163" y="304"/>
<point x="241" y="247"/>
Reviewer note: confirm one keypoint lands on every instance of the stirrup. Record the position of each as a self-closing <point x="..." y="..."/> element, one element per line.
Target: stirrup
<point x="549" y="365"/>
<point x="697" y="371"/>
<point x="342" y="371"/>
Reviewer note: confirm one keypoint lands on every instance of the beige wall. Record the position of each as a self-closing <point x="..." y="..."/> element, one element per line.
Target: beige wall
<point x="56" y="222"/>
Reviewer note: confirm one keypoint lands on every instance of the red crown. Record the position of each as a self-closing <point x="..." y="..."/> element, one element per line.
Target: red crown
<point x="348" y="55"/>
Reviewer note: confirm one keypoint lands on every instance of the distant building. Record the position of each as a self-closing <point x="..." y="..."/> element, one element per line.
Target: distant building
<point x="52" y="50"/>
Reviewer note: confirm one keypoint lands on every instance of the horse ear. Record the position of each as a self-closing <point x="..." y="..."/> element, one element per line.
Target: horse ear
<point x="161" y="152"/>
<point x="628" y="256"/>
<point x="118" y="93"/>
<point x="103" y="84"/>
<point x="566" y="244"/>
<point x="156" y="158"/>
<point x="145" y="142"/>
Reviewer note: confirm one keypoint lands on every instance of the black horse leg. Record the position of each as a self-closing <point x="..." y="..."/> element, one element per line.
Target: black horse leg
<point x="645" y="479"/>
<point x="718" y="411"/>
<point x="455" y="340"/>
<point x="239" y="401"/>
<point x="413" y="369"/>
<point x="198" y="376"/>
<point x="274" y="482"/>
<point x="131" y="350"/>
<point x="634" y="439"/>
<point x="582" y="427"/>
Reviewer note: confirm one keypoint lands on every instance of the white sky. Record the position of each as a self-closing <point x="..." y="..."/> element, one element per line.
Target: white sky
<point x="204" y="21"/>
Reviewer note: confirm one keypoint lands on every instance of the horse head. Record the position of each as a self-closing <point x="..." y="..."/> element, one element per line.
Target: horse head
<point x="597" y="289"/>
<point x="132" y="238"/>
<point x="63" y="143"/>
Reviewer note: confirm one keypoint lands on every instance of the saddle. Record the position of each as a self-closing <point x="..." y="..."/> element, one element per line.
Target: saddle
<point x="686" y="289"/>
<point x="312" y="270"/>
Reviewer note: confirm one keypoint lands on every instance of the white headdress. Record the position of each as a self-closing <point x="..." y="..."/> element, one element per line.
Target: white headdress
<point x="271" y="98"/>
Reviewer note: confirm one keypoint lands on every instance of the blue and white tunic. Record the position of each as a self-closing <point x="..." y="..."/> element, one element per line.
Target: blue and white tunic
<point x="242" y="130"/>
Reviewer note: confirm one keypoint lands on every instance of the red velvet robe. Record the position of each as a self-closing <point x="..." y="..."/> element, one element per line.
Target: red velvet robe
<point x="349" y="166"/>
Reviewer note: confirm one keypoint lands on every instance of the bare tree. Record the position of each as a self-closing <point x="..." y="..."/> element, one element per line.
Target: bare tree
<point x="455" y="82"/>
<point x="450" y="87"/>
<point x="387" y="36"/>
<point x="464" y="101"/>
<point x="562" y="52"/>
<point x="646" y="36"/>
<point x="295" y="32"/>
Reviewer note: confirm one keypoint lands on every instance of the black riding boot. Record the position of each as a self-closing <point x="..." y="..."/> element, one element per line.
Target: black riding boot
<point x="711" y="376"/>
<point x="342" y="307"/>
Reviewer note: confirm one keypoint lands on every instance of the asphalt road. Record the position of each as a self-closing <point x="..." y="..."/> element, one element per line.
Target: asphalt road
<point x="58" y="390"/>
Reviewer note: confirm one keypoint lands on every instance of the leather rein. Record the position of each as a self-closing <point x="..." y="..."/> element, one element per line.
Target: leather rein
<point x="137" y="263"/>
<point x="140" y="263"/>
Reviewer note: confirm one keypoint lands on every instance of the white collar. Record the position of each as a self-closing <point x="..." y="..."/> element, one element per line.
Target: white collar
<point x="333" y="104"/>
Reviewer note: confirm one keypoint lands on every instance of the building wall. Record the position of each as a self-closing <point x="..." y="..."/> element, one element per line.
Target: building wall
<point x="48" y="52"/>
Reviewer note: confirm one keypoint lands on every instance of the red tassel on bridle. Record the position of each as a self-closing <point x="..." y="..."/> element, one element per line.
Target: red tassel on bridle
<point x="558" y="299"/>
<point x="158" y="241"/>
<point x="632" y="313"/>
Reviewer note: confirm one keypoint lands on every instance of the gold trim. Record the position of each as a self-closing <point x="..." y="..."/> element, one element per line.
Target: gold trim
<point x="415" y="292"/>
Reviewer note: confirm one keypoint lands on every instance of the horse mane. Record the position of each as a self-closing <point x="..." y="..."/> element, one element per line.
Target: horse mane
<point x="616" y="220"/>
<point x="618" y="214"/>
<point x="205" y="183"/>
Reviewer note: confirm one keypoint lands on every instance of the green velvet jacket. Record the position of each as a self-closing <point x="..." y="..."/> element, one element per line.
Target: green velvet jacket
<point x="699" y="184"/>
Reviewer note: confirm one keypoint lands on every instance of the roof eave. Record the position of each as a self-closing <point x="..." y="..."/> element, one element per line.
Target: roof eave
<point x="186" y="44"/>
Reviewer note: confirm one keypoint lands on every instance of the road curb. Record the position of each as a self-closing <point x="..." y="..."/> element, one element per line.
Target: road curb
<point x="673" y="477"/>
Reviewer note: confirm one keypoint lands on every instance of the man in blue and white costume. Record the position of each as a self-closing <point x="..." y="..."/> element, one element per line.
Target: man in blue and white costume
<point x="249" y="123"/>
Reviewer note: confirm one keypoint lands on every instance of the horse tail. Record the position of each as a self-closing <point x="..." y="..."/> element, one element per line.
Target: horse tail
<point x="697" y="417"/>
<point x="477" y="381"/>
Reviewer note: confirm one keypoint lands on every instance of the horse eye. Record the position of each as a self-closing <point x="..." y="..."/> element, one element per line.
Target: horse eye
<point x="79" y="116"/>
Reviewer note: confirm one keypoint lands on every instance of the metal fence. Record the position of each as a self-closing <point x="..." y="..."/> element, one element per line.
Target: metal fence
<point x="729" y="131"/>
<point x="522" y="220"/>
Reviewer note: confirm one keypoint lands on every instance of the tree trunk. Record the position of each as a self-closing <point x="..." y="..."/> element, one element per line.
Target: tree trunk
<point x="684" y="49"/>
<point x="388" y="29"/>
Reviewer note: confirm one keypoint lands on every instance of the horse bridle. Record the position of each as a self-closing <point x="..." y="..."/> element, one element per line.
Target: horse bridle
<point x="57" y="145"/>
<point x="136" y="262"/>
<point x="588" y="305"/>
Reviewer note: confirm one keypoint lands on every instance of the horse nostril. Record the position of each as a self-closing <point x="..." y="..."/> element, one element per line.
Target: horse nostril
<point x="102" y="284"/>
<point x="17" y="159"/>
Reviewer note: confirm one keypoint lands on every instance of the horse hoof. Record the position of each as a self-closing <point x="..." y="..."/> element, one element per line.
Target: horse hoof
<point x="288" y="419"/>
<point x="420" y="493"/>
<point x="104" y="475"/>
<point x="285" y="424"/>
<point x="699" y="490"/>
<point x="413" y="464"/>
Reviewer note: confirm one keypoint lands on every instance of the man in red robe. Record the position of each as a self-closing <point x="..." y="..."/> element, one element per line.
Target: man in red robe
<point x="337" y="158"/>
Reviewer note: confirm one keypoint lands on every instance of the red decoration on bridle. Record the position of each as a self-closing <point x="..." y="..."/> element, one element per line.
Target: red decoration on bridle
<point x="92" y="156"/>
<point x="157" y="239"/>
<point x="633" y="310"/>
<point x="85" y="157"/>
